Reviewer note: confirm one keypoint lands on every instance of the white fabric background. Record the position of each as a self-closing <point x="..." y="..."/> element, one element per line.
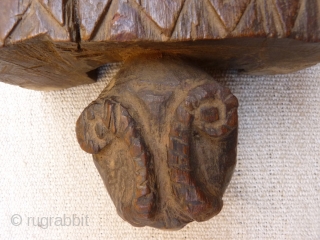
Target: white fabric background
<point x="274" y="193"/>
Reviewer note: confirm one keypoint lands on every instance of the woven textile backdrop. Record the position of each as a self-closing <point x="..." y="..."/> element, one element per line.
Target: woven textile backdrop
<point x="274" y="193"/>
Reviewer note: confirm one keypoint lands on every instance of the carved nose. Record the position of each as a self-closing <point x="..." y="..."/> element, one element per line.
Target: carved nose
<point x="165" y="147"/>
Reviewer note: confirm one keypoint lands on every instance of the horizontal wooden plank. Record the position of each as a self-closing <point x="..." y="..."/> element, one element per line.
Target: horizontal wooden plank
<point x="62" y="42"/>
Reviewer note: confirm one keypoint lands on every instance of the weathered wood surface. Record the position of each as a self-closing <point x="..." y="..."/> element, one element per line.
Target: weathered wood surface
<point x="52" y="44"/>
<point x="163" y="136"/>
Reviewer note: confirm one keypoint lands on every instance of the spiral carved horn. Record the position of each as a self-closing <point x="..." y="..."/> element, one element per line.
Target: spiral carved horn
<point x="164" y="141"/>
<point x="102" y="123"/>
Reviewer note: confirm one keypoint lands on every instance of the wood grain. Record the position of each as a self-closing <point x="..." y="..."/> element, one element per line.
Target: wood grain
<point x="164" y="143"/>
<point x="87" y="34"/>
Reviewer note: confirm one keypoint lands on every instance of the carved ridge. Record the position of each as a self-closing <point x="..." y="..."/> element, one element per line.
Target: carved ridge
<point x="102" y="17"/>
<point x="49" y="12"/>
<point x="6" y="38"/>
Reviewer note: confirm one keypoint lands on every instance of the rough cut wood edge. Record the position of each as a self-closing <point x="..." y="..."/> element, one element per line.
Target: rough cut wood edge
<point x="58" y="44"/>
<point x="40" y="64"/>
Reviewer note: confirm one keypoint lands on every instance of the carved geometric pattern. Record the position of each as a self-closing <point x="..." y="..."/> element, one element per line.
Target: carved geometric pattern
<point x="125" y="22"/>
<point x="37" y="20"/>
<point x="307" y="24"/>
<point x="10" y="14"/>
<point x="55" y="7"/>
<point x="198" y="20"/>
<point x="164" y="13"/>
<point x="153" y="20"/>
<point x="266" y="19"/>
<point x="230" y="12"/>
<point x="90" y="12"/>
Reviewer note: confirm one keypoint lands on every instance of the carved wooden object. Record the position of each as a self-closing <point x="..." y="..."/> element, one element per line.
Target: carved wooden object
<point x="164" y="141"/>
<point x="163" y="133"/>
<point x="53" y="44"/>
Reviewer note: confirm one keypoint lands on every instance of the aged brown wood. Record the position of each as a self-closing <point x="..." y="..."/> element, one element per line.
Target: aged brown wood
<point x="163" y="136"/>
<point x="54" y="44"/>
